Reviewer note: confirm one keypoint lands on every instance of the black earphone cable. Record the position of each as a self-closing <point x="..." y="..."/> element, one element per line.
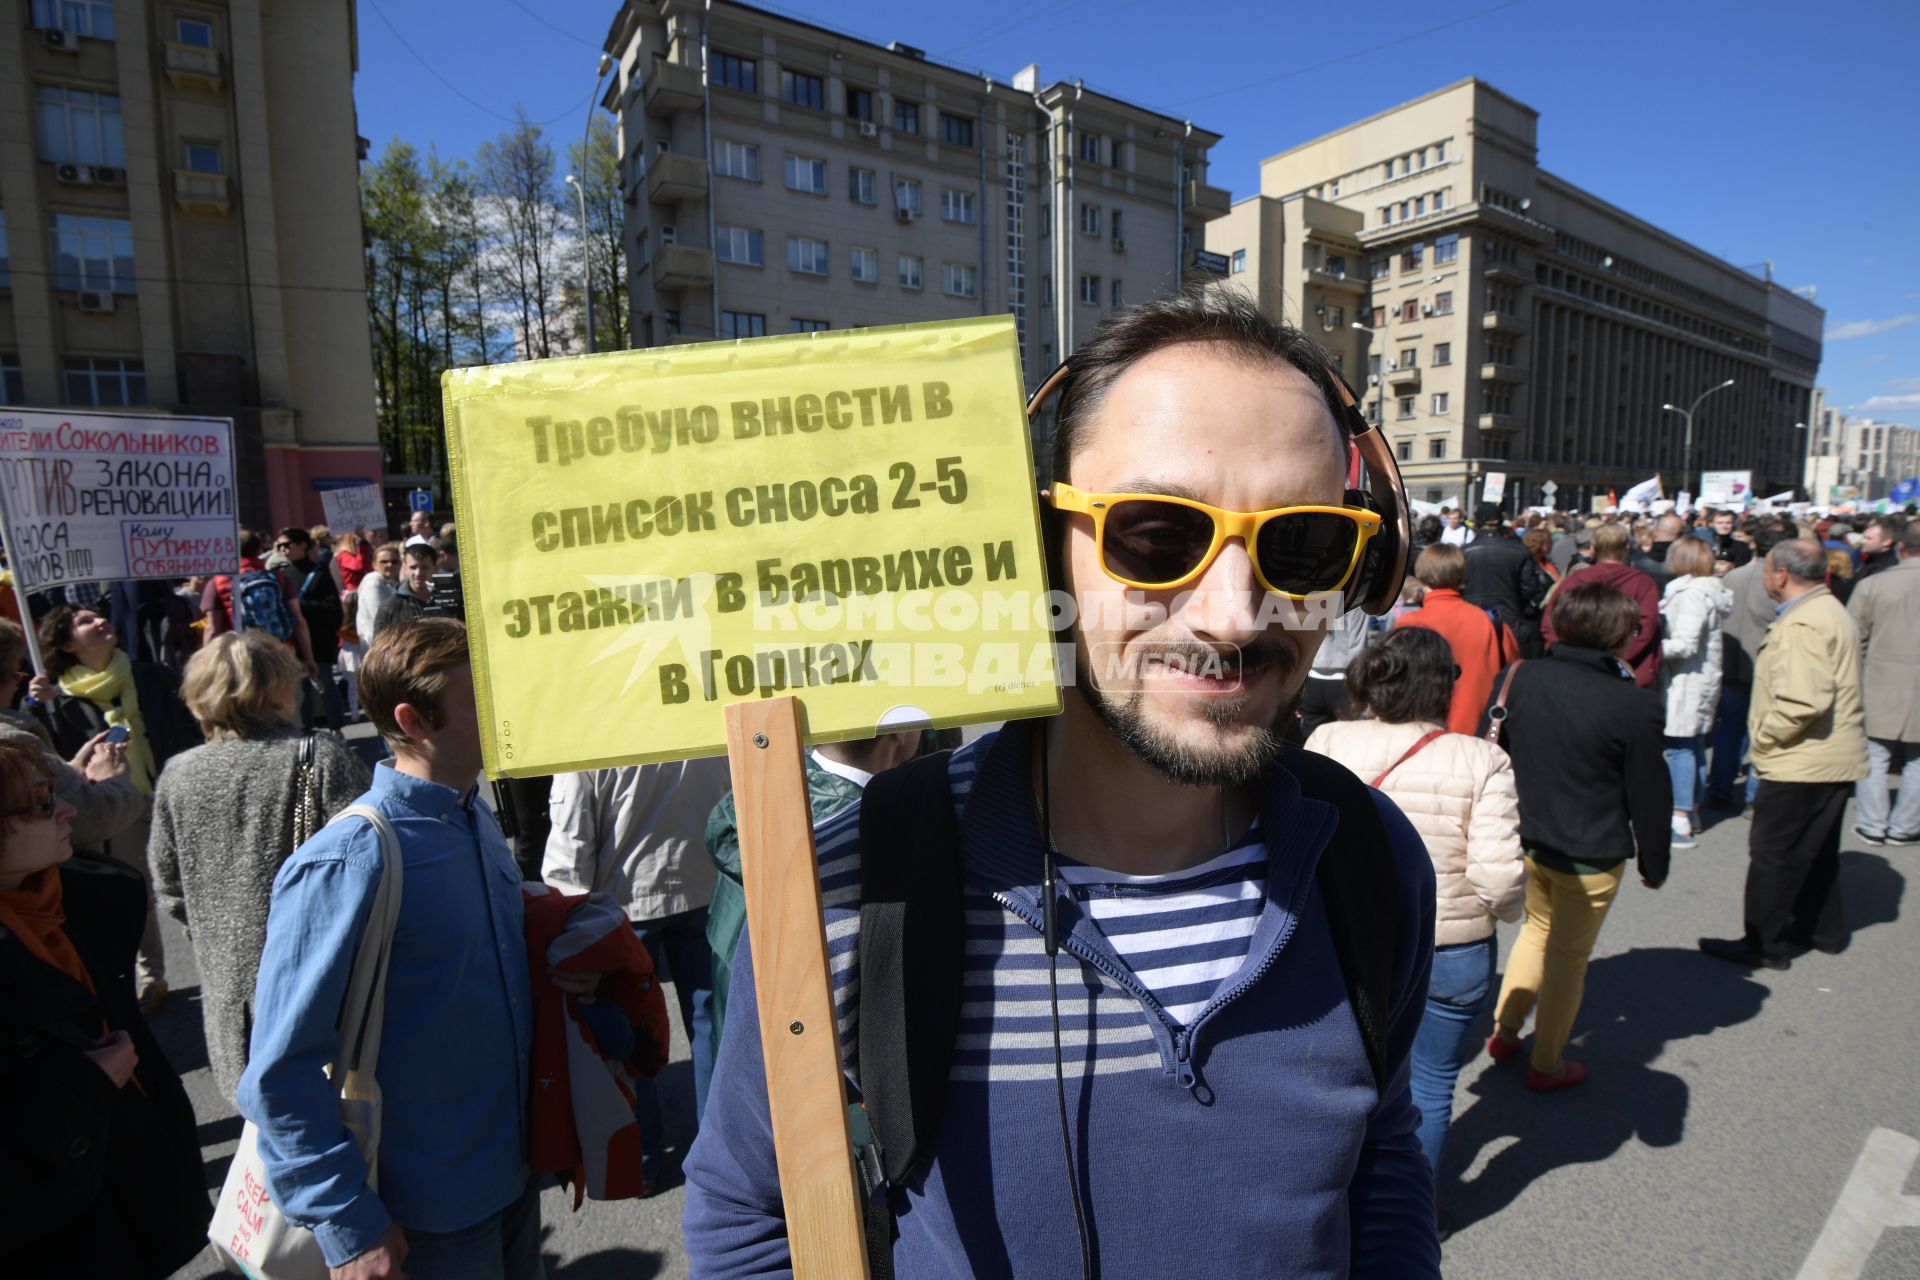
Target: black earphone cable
<point x="1052" y="936"/>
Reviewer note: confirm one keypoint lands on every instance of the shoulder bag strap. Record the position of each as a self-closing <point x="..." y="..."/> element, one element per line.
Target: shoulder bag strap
<point x="363" y="1010"/>
<point x="1407" y="755"/>
<point x="912" y="935"/>
<point x="1497" y="714"/>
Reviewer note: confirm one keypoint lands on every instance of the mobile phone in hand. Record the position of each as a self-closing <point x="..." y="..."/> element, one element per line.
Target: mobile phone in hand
<point x="118" y="734"/>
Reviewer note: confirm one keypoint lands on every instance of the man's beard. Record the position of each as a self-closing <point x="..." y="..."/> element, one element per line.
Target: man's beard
<point x="1125" y="718"/>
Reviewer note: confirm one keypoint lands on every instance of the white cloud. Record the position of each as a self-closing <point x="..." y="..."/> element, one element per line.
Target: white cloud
<point x="1868" y="328"/>
<point x="1888" y="404"/>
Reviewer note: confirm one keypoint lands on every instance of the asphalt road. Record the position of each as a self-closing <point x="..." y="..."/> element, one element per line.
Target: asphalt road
<point x="1724" y="1114"/>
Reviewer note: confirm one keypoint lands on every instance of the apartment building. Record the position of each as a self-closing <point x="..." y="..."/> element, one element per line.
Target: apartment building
<point x="782" y="177"/>
<point x="180" y="228"/>
<point x="1510" y="321"/>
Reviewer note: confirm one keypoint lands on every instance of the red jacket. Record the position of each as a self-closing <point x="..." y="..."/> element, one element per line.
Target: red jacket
<point x="1481" y="646"/>
<point x="1643" y="651"/>
<point x="582" y="1124"/>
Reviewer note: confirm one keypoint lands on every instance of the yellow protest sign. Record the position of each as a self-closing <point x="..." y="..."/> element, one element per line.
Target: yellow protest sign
<point x="646" y="536"/>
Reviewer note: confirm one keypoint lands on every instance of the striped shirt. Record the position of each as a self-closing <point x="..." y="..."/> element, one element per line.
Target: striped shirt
<point x="1183" y="933"/>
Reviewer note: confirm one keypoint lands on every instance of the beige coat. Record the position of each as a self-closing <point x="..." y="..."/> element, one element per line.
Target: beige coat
<point x="1886" y="608"/>
<point x="1806" y="720"/>
<point x="1458" y="792"/>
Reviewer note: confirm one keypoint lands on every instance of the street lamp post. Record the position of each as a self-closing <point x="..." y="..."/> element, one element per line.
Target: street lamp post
<point x="1686" y="414"/>
<point x="1806" y="461"/>
<point x="580" y="189"/>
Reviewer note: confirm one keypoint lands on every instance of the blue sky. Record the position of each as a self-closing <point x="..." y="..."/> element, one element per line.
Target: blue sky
<point x="1759" y="130"/>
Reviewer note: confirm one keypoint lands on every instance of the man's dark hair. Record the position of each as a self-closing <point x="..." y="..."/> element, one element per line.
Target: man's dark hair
<point x="1408" y="676"/>
<point x="1771" y="533"/>
<point x="421" y="551"/>
<point x="297" y="536"/>
<point x="1910" y="538"/>
<point x="1594" y="615"/>
<point x="1430" y="530"/>
<point x="1197" y="313"/>
<point x="1890" y="524"/>
<point x="250" y="543"/>
<point x="1804" y="562"/>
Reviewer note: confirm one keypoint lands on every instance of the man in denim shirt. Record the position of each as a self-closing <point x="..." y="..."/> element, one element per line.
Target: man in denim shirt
<point x="454" y="1198"/>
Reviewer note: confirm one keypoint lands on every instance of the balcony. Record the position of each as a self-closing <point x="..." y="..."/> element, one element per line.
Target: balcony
<point x="197" y="192"/>
<point x="674" y="179"/>
<point x="1407" y="378"/>
<point x="1325" y="279"/>
<point x="1499" y="422"/>
<point x="682" y="266"/>
<point x="672" y="90"/>
<point x="1508" y="272"/>
<point x="1207" y="203"/>
<point x="1501" y="373"/>
<point x="192" y="66"/>
<point x="1503" y="322"/>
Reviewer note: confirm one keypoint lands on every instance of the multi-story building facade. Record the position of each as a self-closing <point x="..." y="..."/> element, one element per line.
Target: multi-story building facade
<point x="1510" y="321"/>
<point x="180" y="228"/>
<point x="782" y="177"/>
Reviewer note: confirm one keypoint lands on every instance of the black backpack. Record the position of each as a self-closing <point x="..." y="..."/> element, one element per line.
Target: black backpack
<point x="912" y="923"/>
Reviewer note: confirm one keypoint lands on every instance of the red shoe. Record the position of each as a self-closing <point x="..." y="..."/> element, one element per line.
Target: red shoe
<point x="1500" y="1050"/>
<point x="1541" y="1082"/>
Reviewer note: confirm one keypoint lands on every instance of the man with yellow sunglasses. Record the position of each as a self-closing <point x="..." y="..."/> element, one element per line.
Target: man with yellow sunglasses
<point x="1213" y="1078"/>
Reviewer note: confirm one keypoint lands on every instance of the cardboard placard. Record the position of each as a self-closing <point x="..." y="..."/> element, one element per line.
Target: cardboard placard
<point x="349" y="510"/>
<point x="646" y="536"/>
<point x="105" y="496"/>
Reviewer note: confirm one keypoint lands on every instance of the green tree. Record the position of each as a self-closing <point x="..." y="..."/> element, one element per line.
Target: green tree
<point x="516" y="174"/>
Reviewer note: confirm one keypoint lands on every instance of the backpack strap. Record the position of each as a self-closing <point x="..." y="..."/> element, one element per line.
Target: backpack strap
<point x="1358" y="884"/>
<point x="912" y="936"/>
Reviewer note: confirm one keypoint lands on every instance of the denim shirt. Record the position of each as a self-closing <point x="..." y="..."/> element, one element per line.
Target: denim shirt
<point x="455" y="1043"/>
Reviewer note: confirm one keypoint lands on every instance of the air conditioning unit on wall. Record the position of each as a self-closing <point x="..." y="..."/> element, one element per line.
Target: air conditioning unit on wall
<point x="868" y="129"/>
<point x="74" y="175"/>
<point x="60" y="40"/>
<point x="96" y="300"/>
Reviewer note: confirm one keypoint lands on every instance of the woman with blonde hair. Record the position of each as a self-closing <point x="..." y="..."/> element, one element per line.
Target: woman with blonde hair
<point x="227" y="814"/>
<point x="1693" y="612"/>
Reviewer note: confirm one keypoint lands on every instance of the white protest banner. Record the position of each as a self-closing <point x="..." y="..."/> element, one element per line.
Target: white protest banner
<point x="105" y="496"/>
<point x="1496" y="487"/>
<point x="1726" y="488"/>
<point x="360" y="507"/>
<point x="1645" y="491"/>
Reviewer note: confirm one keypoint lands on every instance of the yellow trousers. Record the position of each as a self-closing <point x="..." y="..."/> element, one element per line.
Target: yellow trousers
<point x="1547" y="972"/>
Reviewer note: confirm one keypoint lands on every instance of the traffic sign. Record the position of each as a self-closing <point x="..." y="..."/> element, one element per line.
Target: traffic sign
<point x="420" y="500"/>
<point x="1549" y="488"/>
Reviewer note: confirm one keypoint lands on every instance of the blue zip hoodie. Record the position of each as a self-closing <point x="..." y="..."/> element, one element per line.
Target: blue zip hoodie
<point x="1251" y="1143"/>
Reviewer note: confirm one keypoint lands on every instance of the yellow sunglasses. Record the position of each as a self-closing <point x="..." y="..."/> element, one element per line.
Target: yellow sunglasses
<point x="1156" y="542"/>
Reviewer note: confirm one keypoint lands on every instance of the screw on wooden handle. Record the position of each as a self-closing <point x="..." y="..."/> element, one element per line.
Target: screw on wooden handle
<point x="760" y="740"/>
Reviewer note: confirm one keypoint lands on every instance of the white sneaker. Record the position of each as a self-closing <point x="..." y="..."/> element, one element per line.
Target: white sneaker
<point x="1683" y="832"/>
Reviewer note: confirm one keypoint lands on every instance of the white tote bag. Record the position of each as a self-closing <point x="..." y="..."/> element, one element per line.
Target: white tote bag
<point x="249" y="1232"/>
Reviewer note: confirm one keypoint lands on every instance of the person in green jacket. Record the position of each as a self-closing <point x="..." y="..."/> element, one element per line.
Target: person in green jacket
<point x="836" y="772"/>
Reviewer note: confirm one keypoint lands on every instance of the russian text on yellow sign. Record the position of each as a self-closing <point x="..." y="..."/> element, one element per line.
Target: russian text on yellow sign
<point x="646" y="536"/>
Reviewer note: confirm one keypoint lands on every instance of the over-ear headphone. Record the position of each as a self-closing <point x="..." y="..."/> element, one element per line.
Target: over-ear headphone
<point x="1378" y="488"/>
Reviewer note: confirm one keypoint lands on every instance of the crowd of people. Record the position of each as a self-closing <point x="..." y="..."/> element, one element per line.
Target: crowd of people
<point x="1552" y="701"/>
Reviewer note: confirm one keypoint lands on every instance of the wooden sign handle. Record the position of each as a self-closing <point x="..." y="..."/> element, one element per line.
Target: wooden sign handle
<point x="806" y="1092"/>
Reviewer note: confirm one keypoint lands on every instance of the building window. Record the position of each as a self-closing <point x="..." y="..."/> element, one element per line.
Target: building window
<point x="956" y="206"/>
<point x="1406" y="451"/>
<point x="1046" y="290"/>
<point x="1373" y="366"/>
<point x="1440" y="404"/>
<point x="960" y="280"/>
<point x="866" y="265"/>
<point x="1409" y="358"/>
<point x="1410" y="310"/>
<point x="1335" y="318"/>
<point x="13" y="383"/>
<point x="911" y="269"/>
<point x="1439" y="153"/>
<point x="201" y="157"/>
<point x="956" y="131"/>
<point x="803" y="90"/>
<point x="1239" y="261"/>
<point x="906" y="116"/>
<point x="1090" y="219"/>
<point x="1436" y="450"/>
<point x="1442" y="353"/>
<point x="1115" y="295"/>
<point x="738" y="244"/>
<point x="197" y="32"/>
<point x="1443" y="303"/>
<point x="105" y="381"/>
<point x="736" y="160"/>
<point x="860" y="186"/>
<point x="92" y="253"/>
<point x="1446" y="248"/>
<point x="1373" y="411"/>
<point x="1335" y="266"/>
<point x="1411" y="256"/>
<point x="79" y="127"/>
<point x="1113" y="226"/>
<point x="1333" y="190"/>
<point x="1046" y="221"/>
<point x="731" y="71"/>
<point x="1439" y="200"/>
<point x="1089" y="291"/>
<point x="1405" y="206"/>
<point x="742" y="324"/>
<point x="797" y="325"/>
<point x="1379" y="266"/>
<point x="805" y="174"/>
<point x="92" y="18"/>
<point x="1377" y="318"/>
<point x="1405" y="404"/>
<point x="1090" y="148"/>
<point x="809" y="257"/>
<point x="906" y="195"/>
<point x="1419" y="206"/>
<point x="860" y="104"/>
